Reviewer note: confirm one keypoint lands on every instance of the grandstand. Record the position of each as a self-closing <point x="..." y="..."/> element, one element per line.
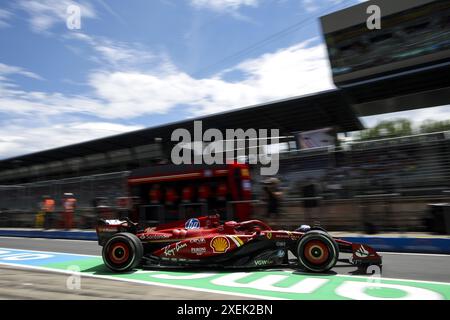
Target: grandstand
<point x="401" y="175"/>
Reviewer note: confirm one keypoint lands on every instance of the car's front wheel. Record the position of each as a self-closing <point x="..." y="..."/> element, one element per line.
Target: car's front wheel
<point x="122" y="252"/>
<point x="317" y="251"/>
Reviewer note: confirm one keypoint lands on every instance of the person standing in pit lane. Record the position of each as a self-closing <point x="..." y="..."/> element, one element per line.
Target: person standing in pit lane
<point x="48" y="208"/>
<point x="155" y="195"/>
<point x="69" y="205"/>
<point x="273" y="196"/>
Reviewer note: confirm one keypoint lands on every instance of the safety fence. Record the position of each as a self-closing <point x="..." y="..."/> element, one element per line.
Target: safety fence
<point x="370" y="214"/>
<point x="375" y="185"/>
<point x="411" y="166"/>
<point x="28" y="197"/>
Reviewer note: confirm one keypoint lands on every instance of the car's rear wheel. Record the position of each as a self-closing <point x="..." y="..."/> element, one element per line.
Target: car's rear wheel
<point x="122" y="252"/>
<point x="317" y="251"/>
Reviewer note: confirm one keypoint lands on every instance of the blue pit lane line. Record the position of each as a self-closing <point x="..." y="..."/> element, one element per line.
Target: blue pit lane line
<point x="71" y="235"/>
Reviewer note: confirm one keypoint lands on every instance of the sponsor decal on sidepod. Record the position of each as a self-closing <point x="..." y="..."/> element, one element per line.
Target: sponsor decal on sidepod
<point x="220" y="244"/>
<point x="198" y="251"/>
<point x="192" y="224"/>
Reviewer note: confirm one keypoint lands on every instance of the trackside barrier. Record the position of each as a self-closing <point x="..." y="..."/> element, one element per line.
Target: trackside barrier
<point x="387" y="244"/>
<point x="412" y="245"/>
<point x="72" y="235"/>
<point x="369" y="218"/>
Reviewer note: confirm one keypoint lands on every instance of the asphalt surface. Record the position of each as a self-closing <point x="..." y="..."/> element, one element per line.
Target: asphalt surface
<point x="425" y="267"/>
<point x="22" y="283"/>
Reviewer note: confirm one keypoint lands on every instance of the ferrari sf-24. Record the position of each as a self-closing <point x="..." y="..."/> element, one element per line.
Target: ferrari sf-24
<point x="206" y="242"/>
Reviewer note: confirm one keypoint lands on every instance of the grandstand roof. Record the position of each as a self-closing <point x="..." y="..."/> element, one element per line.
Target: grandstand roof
<point x="325" y="109"/>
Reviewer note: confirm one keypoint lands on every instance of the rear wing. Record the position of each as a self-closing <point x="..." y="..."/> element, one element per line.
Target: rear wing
<point x="107" y="228"/>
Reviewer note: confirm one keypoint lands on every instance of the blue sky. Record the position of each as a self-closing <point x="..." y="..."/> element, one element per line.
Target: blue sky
<point x="139" y="63"/>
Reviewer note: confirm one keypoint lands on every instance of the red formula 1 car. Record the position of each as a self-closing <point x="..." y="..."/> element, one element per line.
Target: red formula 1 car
<point x="206" y="242"/>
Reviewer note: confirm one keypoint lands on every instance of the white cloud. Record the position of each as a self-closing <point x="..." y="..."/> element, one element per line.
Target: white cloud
<point x="16" y="140"/>
<point x="223" y="5"/>
<point x="315" y="5"/>
<point x="124" y="93"/>
<point x="5" y="15"/>
<point x="114" y="54"/>
<point x="34" y="120"/>
<point x="8" y="70"/>
<point x="296" y="70"/>
<point x="120" y="91"/>
<point x="44" y="14"/>
<point x="311" y="5"/>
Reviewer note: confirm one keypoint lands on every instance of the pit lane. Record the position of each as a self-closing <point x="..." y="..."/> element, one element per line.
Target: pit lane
<point x="23" y="283"/>
<point x="396" y="265"/>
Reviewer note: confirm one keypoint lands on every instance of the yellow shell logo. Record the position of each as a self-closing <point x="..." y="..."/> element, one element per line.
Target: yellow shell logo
<point x="220" y="244"/>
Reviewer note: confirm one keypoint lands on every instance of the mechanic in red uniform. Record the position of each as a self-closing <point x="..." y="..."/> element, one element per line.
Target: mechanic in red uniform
<point x="171" y="199"/>
<point x="203" y="193"/>
<point x="187" y="194"/>
<point x="69" y="205"/>
<point x="221" y="192"/>
<point x="155" y="194"/>
<point x="221" y="197"/>
<point x="171" y="196"/>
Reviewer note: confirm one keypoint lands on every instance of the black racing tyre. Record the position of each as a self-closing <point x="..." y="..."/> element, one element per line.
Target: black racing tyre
<point x="317" y="251"/>
<point x="122" y="252"/>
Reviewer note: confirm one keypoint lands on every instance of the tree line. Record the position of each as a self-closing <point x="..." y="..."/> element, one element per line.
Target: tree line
<point x="401" y="127"/>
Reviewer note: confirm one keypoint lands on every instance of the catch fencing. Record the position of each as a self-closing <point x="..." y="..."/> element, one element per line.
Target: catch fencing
<point x="385" y="185"/>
